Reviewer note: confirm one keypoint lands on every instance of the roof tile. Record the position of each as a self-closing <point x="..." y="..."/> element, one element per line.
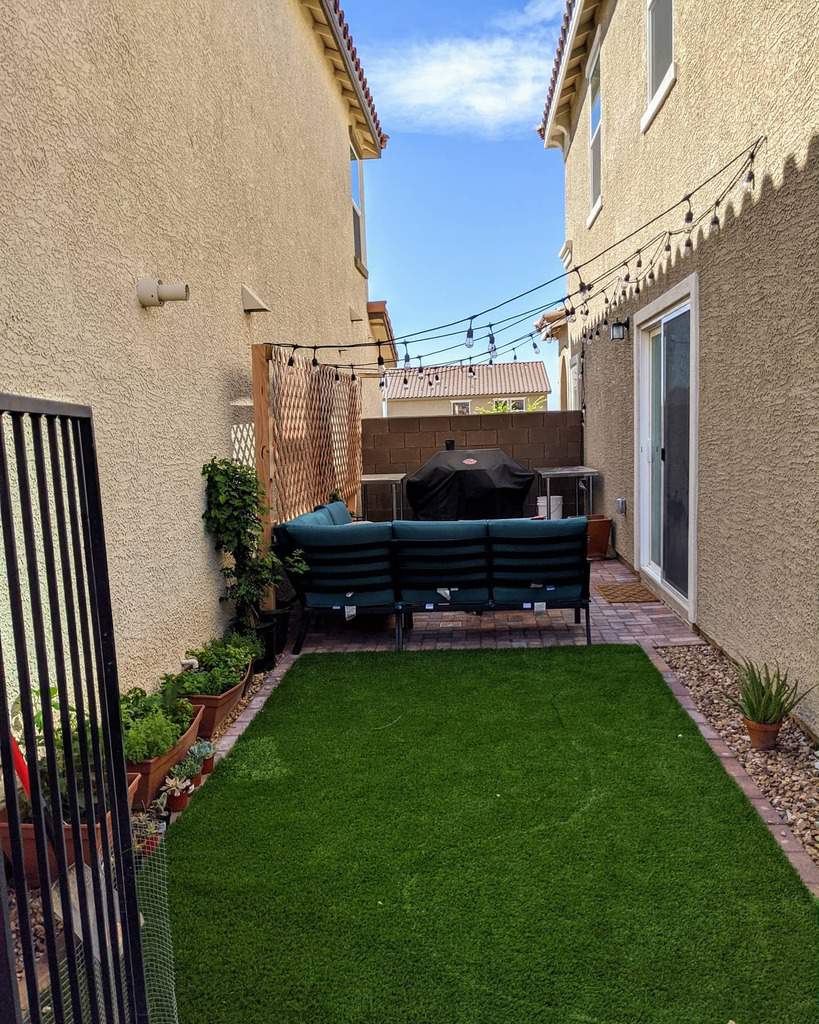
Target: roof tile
<point x="511" y="379"/>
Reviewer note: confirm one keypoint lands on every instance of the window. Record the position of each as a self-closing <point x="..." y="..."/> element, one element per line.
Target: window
<point x="357" y="193"/>
<point x="462" y="408"/>
<point x="595" y="123"/>
<point x="659" y="43"/>
<point x="517" y="405"/>
<point x="661" y="73"/>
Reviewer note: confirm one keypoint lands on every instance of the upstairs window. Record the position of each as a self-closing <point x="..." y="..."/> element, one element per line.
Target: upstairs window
<point x="357" y="192"/>
<point x="660" y="44"/>
<point x="595" y="127"/>
<point x="461" y="408"/>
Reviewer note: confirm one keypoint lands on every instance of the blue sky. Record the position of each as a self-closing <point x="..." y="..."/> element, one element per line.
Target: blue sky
<point x="465" y="207"/>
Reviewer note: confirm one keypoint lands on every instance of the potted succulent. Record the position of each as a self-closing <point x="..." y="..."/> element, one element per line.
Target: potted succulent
<point x="190" y="768"/>
<point x="223" y="669"/>
<point x="234" y="514"/>
<point x="765" y="701"/>
<point x="204" y="751"/>
<point x="177" y="792"/>
<point x="157" y="729"/>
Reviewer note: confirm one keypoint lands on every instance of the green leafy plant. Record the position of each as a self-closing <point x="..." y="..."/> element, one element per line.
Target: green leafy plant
<point x="202" y="750"/>
<point x="187" y="768"/>
<point x="234" y="515"/>
<point x="152" y="723"/>
<point x="222" y="665"/>
<point x="149" y="737"/>
<point x="765" y="696"/>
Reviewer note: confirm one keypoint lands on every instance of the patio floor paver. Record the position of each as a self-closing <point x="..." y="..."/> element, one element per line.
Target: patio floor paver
<point x="653" y="623"/>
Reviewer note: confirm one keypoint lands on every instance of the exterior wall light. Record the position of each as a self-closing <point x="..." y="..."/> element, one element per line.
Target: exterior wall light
<point x="618" y="329"/>
<point x="153" y="292"/>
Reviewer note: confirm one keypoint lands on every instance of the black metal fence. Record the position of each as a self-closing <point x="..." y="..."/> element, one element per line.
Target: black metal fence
<point x="70" y="946"/>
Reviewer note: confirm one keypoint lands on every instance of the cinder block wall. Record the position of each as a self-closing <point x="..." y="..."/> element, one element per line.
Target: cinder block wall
<point x="403" y="444"/>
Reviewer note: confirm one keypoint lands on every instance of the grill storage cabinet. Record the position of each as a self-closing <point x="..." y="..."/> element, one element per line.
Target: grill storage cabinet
<point x="408" y="567"/>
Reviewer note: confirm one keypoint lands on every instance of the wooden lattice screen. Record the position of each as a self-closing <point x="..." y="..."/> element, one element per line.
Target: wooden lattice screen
<point x="308" y="432"/>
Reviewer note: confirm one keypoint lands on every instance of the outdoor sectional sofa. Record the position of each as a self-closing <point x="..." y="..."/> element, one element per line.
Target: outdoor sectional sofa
<point x="403" y="567"/>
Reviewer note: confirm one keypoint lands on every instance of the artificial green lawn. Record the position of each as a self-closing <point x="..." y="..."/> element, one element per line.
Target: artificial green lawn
<point x="482" y="836"/>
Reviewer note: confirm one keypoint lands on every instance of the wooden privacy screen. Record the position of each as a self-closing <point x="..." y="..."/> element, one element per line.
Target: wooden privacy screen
<point x="308" y="433"/>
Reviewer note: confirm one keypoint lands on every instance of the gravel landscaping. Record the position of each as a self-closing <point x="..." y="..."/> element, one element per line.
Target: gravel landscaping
<point x="789" y="775"/>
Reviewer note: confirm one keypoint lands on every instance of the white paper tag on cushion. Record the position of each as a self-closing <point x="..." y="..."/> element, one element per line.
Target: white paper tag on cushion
<point x="537" y="586"/>
<point x="429" y="607"/>
<point x="336" y="607"/>
<point x="444" y="592"/>
<point x="552" y="587"/>
<point x="540" y="606"/>
<point x="527" y="606"/>
<point x="349" y="611"/>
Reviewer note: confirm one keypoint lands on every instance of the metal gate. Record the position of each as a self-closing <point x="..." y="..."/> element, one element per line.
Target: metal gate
<point x="70" y="948"/>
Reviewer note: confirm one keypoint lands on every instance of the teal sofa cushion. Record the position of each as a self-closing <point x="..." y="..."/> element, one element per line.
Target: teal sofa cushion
<point x="441" y="564"/>
<point x="541" y="557"/>
<point x="338" y="512"/>
<point x="347" y="565"/>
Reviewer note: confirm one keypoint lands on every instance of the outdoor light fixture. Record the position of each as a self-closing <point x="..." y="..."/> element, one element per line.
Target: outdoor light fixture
<point x="618" y="329"/>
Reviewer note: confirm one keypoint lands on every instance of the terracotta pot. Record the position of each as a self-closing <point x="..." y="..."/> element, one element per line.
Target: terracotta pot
<point x="216" y="709"/>
<point x="153" y="771"/>
<point x="599" y="535"/>
<point x="207" y="765"/>
<point x="30" y="849"/>
<point x="763" y="734"/>
<point x="133" y="786"/>
<point x="197" y="779"/>
<point x="178" y="803"/>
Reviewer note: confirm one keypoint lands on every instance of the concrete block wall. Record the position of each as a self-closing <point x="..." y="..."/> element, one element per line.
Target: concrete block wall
<point x="403" y="444"/>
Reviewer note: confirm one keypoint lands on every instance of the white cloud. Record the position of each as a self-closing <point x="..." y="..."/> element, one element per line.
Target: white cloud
<point x="490" y="85"/>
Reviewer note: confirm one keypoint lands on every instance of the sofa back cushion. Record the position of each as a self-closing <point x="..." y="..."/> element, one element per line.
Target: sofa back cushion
<point x="538" y="560"/>
<point x="338" y="512"/>
<point x="441" y="564"/>
<point x="347" y="565"/>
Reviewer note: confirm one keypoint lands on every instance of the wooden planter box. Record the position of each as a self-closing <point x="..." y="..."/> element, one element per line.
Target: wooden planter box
<point x="153" y="771"/>
<point x="216" y="709"/>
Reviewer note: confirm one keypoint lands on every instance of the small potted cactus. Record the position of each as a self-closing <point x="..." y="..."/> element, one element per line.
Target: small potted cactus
<point x="204" y="751"/>
<point x="190" y="768"/>
<point x="177" y="792"/>
<point x="765" y="700"/>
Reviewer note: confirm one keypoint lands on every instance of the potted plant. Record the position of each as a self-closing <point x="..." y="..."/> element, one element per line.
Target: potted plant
<point x="204" y="751"/>
<point x="234" y="515"/>
<point x="765" y="701"/>
<point x="599" y="536"/>
<point x="223" y="668"/>
<point x="157" y="729"/>
<point x="177" y="792"/>
<point x="189" y="768"/>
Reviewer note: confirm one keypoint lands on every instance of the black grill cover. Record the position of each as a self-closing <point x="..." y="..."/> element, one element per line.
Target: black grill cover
<point x="481" y="483"/>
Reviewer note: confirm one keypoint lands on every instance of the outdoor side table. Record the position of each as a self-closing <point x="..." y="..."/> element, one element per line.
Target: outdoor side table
<point x="545" y="475"/>
<point x="395" y="480"/>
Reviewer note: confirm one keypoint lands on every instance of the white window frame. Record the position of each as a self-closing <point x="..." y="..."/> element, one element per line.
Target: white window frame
<point x="684" y="295"/>
<point x="461" y="401"/>
<point x="356" y="160"/>
<point x="654" y="102"/>
<point x="595" y="202"/>
<point x="510" y="400"/>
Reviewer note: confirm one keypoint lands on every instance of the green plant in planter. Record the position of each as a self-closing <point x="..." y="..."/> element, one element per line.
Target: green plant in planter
<point x="765" y="696"/>
<point x="152" y="723"/>
<point x="176" y="785"/>
<point x="234" y="514"/>
<point x="202" y="750"/>
<point x="222" y="665"/>
<point x="187" y="768"/>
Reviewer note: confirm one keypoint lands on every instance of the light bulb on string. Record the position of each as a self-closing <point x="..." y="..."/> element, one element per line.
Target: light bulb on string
<point x="636" y="287"/>
<point x="491" y="339"/>
<point x="405" y="381"/>
<point x="470" y="334"/>
<point x="292" y="360"/>
<point x="689" y="213"/>
<point x="314" y="360"/>
<point x="407" y="360"/>
<point x="515" y="356"/>
<point x="667" y="246"/>
<point x="581" y="284"/>
<point x="380" y="355"/>
<point x="471" y="370"/>
<point x="429" y="381"/>
<point x="651" y="274"/>
<point x="535" y="347"/>
<point x="437" y="378"/>
<point x="382" y="382"/>
<point x="715" y="216"/>
<point x="337" y="378"/>
<point x="748" y="181"/>
<point x="420" y="367"/>
<point x="352" y="374"/>
<point x="688" y="243"/>
<point x="627" y="275"/>
<point x="639" y="260"/>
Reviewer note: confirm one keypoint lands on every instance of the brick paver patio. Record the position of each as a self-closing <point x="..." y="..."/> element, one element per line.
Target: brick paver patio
<point x="652" y="624"/>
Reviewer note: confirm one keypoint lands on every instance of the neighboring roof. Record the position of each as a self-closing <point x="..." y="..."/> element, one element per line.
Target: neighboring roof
<point x="331" y="26"/>
<point x="549" y="317"/>
<point x="381" y="327"/>
<point x="512" y="379"/>
<point x="573" y="45"/>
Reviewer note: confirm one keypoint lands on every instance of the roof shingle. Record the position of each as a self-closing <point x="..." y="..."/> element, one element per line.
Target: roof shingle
<point x="510" y="379"/>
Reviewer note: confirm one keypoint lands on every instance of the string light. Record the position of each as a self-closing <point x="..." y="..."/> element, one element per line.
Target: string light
<point x="353" y="376"/>
<point x="639" y="260"/>
<point x="491" y="341"/>
<point x="470" y="334"/>
<point x="689" y="213"/>
<point x="405" y="381"/>
<point x="748" y="181"/>
<point x="471" y="370"/>
<point x="515" y="356"/>
<point x="292" y="360"/>
<point x="337" y="376"/>
<point x="715" y="217"/>
<point x="406" y="355"/>
<point x="627" y="275"/>
<point x="380" y="355"/>
<point x="535" y="347"/>
<point x="314" y="360"/>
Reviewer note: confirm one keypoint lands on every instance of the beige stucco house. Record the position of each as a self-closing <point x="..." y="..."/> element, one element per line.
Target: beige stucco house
<point x="704" y="419"/>
<point x="465" y="390"/>
<point x="218" y="146"/>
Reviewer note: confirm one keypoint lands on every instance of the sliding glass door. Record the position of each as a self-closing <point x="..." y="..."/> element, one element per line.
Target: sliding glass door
<point x="667" y="446"/>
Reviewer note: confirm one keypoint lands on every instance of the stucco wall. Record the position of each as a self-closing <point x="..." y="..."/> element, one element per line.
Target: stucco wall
<point x="207" y="144"/>
<point x="743" y="70"/>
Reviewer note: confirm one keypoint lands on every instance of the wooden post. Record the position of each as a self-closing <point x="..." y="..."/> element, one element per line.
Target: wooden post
<point x="260" y="371"/>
